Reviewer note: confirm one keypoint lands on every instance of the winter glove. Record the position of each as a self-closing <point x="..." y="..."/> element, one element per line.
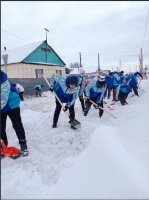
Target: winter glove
<point x="66" y="108"/>
<point x="51" y="89"/>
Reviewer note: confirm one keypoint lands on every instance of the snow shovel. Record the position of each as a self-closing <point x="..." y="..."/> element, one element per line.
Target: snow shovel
<point x="11" y="152"/>
<point x="74" y="123"/>
<point x="101" y="108"/>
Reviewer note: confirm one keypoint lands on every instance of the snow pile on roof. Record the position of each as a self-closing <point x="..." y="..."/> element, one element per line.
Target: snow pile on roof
<point x="20" y="53"/>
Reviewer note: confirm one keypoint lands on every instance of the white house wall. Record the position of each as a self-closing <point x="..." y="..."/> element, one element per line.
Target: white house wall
<point x="23" y="70"/>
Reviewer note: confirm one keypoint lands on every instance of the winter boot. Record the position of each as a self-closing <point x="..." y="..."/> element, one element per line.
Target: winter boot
<point x="73" y="128"/>
<point x="54" y="125"/>
<point x="85" y="112"/>
<point x="24" y="150"/>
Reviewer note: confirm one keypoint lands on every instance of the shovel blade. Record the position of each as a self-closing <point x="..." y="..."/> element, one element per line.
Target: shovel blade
<point x="76" y="124"/>
<point x="12" y="152"/>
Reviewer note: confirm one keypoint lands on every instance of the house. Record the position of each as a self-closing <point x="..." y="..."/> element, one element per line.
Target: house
<point x="32" y="60"/>
<point x="89" y="73"/>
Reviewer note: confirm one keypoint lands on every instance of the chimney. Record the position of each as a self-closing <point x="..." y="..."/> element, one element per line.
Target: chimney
<point x="4" y="48"/>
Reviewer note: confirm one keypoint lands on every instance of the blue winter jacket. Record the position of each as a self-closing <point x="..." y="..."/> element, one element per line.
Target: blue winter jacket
<point x="94" y="91"/>
<point x="108" y="80"/>
<point x="133" y="78"/>
<point x="9" y="96"/>
<point x="38" y="88"/>
<point x="123" y="88"/>
<point x="121" y="79"/>
<point x="115" y="80"/>
<point x="60" y="84"/>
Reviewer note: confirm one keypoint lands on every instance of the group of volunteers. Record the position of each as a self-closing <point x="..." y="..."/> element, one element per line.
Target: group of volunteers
<point x="91" y="91"/>
<point x="67" y="89"/>
<point x="121" y="85"/>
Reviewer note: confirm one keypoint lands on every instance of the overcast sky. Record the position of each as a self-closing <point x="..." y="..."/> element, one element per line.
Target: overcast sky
<point x="112" y="29"/>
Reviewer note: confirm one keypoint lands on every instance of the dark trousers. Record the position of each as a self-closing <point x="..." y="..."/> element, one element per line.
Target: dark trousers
<point x="135" y="88"/>
<point x="82" y="102"/>
<point x="15" y="118"/>
<point x="88" y="105"/>
<point x="21" y="96"/>
<point x="108" y="90"/>
<point x="38" y="92"/>
<point x="58" y="110"/>
<point x="122" y="97"/>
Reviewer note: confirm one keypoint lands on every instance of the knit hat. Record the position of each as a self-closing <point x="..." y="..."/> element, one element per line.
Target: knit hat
<point x="73" y="80"/>
<point x="102" y="78"/>
<point x="81" y="71"/>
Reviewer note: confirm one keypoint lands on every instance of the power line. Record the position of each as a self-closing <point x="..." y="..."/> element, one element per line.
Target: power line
<point x="145" y="29"/>
<point x="85" y="57"/>
<point x="18" y="37"/>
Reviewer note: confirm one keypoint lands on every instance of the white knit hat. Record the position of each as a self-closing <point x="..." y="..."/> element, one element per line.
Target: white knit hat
<point x="81" y="71"/>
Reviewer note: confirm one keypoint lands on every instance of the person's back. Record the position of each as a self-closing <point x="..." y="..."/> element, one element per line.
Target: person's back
<point x="38" y="89"/>
<point x="60" y="84"/>
<point x="19" y="87"/>
<point x="20" y="90"/>
<point x="122" y="91"/>
<point x="9" y="96"/>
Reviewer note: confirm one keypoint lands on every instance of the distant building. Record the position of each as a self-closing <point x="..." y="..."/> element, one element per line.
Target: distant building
<point x="32" y="60"/>
<point x="89" y="72"/>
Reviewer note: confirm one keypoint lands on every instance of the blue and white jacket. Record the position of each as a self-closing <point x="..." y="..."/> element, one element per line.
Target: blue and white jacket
<point x="38" y="88"/>
<point x="108" y="80"/>
<point x="60" y="84"/>
<point x="133" y="78"/>
<point x="123" y="88"/>
<point x="9" y="96"/>
<point x="115" y="80"/>
<point x="94" y="91"/>
<point x="81" y="84"/>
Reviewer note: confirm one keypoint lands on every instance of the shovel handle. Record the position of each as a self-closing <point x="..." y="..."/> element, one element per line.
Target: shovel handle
<point x="56" y="96"/>
<point x="101" y="108"/>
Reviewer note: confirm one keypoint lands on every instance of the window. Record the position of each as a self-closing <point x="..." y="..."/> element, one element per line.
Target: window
<point x="59" y="72"/>
<point x="39" y="73"/>
<point x="45" y="49"/>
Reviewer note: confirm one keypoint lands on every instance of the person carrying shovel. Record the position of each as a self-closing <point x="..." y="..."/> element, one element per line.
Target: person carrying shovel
<point x="94" y="92"/>
<point x="10" y="107"/>
<point x="66" y="88"/>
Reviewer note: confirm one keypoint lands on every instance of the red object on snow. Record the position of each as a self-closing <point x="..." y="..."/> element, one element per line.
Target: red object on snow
<point x="12" y="152"/>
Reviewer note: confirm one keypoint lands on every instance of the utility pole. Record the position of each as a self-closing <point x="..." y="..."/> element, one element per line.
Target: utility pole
<point x="80" y="61"/>
<point x="98" y="65"/>
<point x="5" y="59"/>
<point x="120" y="65"/>
<point x="140" y="59"/>
<point x="46" y="42"/>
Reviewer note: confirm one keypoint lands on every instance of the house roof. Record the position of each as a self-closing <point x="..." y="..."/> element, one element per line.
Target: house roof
<point x="18" y="54"/>
<point x="22" y="54"/>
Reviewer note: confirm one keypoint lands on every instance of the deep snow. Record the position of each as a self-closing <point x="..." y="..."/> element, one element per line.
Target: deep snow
<point x="106" y="159"/>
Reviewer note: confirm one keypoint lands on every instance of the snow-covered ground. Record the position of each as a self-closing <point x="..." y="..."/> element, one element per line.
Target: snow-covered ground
<point x="106" y="159"/>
